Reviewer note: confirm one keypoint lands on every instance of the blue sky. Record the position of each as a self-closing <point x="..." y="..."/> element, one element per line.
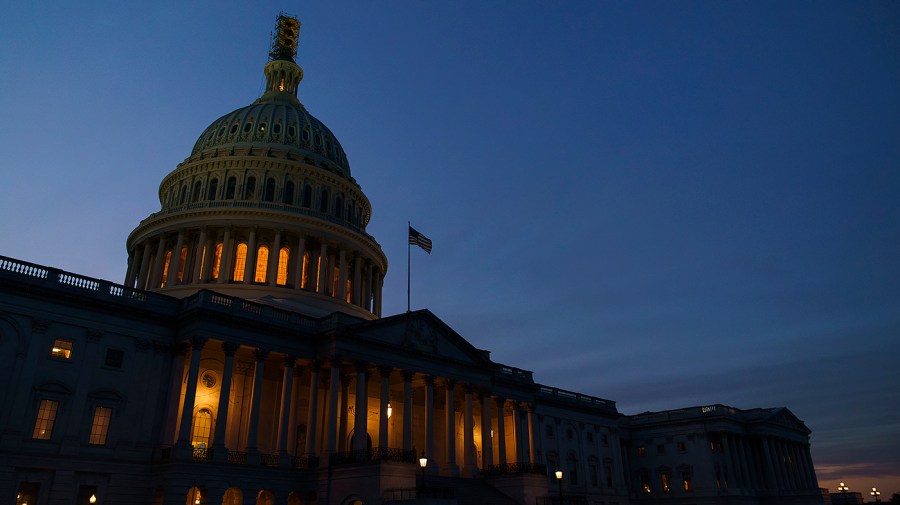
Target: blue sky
<point x="665" y="204"/>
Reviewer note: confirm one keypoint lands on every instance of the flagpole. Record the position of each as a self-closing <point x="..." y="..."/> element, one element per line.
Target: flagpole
<point x="408" y="226"/>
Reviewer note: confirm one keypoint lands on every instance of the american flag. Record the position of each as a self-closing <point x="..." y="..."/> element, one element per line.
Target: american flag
<point x="416" y="238"/>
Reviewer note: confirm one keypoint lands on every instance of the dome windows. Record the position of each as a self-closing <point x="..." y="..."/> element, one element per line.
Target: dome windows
<point x="240" y="261"/>
<point x="248" y="126"/>
<point x="262" y="127"/>
<point x="323" y="201"/>
<point x="213" y="187"/>
<point x="305" y="135"/>
<point x="288" y="197"/>
<point x="262" y="264"/>
<point x="276" y="128"/>
<point x="221" y="131"/>
<point x="250" y="188"/>
<point x="292" y="132"/>
<point x="307" y="196"/>
<point x="234" y="128"/>
<point x="269" y="194"/>
<point x="230" y="187"/>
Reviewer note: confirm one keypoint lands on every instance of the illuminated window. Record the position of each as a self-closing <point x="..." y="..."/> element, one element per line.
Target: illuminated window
<point x="348" y="291"/>
<point x="217" y="261"/>
<point x="304" y="274"/>
<point x="335" y="278"/>
<point x="213" y="187"/>
<point x="283" y="256"/>
<point x="61" y="349"/>
<point x="664" y="481"/>
<point x="100" y="426"/>
<point x="262" y="127"/>
<point x="687" y="478"/>
<point x="43" y="425"/>
<point x="269" y="193"/>
<point x="165" y="272"/>
<point x="641" y="450"/>
<point x="262" y="264"/>
<point x="202" y="426"/>
<point x="682" y="447"/>
<point x="183" y="260"/>
<point x="240" y="261"/>
<point x="644" y="478"/>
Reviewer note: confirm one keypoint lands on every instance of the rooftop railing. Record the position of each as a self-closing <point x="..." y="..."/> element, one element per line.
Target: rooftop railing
<point x="576" y="398"/>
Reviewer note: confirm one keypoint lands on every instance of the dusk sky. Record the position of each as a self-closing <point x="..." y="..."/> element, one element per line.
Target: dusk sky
<point x="665" y="204"/>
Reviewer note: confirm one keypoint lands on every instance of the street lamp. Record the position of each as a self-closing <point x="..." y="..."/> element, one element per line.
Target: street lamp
<point x="876" y="493"/>
<point x="423" y="462"/>
<point x="93" y="498"/>
<point x="559" y="483"/>
<point x="843" y="489"/>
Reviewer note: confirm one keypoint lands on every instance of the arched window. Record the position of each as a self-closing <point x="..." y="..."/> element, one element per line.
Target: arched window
<point x="283" y="256"/>
<point x="183" y="199"/>
<point x="165" y="272"/>
<point x="323" y="201"/>
<point x="213" y="187"/>
<point x="183" y="260"/>
<point x="217" y="262"/>
<point x="240" y="261"/>
<point x="349" y="287"/>
<point x="304" y="272"/>
<point x="572" y="463"/>
<point x="262" y="264"/>
<point x="202" y="426"/>
<point x="195" y="196"/>
<point x="250" y="188"/>
<point x="229" y="188"/>
<point x="307" y="196"/>
<point x="269" y="195"/>
<point x="288" y="197"/>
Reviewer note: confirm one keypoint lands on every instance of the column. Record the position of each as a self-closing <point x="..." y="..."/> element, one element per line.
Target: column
<point x="407" y="410"/>
<point x="220" y="452"/>
<point x="345" y="400"/>
<point x="274" y="256"/>
<point x="250" y="264"/>
<point x="333" y="391"/>
<point x="158" y="263"/>
<point x="287" y="379"/>
<point x="385" y="373"/>
<point x="190" y="394"/>
<point x="132" y="267"/>
<point x="342" y="276"/>
<point x="253" y="430"/>
<point x="357" y="278"/>
<point x="227" y="258"/>
<point x="323" y="258"/>
<point x="359" y="423"/>
<point x="469" y="436"/>
<point x="501" y="430"/>
<point x="529" y="414"/>
<point x="517" y="432"/>
<point x="429" y="420"/>
<point x="145" y="264"/>
<point x="312" y="409"/>
<point x="200" y="259"/>
<point x="378" y="281"/>
<point x="301" y="249"/>
<point x="773" y="466"/>
<point x="487" y="433"/>
<point x="452" y="467"/>
<point x="175" y="262"/>
<point x="367" y="288"/>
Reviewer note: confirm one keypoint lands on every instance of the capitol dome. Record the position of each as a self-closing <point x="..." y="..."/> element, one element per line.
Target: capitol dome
<point x="264" y="208"/>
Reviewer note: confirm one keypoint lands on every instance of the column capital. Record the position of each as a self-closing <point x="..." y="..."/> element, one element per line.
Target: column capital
<point x="469" y="388"/>
<point x="450" y="383"/>
<point x="429" y="380"/>
<point x="385" y="371"/>
<point x="289" y="361"/>
<point x="180" y="349"/>
<point x="260" y="354"/>
<point x="500" y="401"/>
<point x="230" y="349"/>
<point x="198" y="342"/>
<point x="315" y="365"/>
<point x="407" y="375"/>
<point x="360" y="366"/>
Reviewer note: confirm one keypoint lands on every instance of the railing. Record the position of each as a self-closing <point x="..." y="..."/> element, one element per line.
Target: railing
<point x="413" y="493"/>
<point x="202" y="454"/>
<point x="237" y="457"/>
<point x="515" y="468"/>
<point x="376" y="454"/>
<point x="305" y="462"/>
<point x="515" y="373"/>
<point x="268" y="459"/>
<point x="578" y="398"/>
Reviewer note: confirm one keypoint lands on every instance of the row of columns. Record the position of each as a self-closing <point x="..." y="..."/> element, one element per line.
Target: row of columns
<point x="336" y="426"/>
<point x="310" y="270"/>
<point x="787" y="464"/>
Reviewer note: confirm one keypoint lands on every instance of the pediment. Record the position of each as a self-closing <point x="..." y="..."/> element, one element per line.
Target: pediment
<point x="784" y="417"/>
<point x="422" y="333"/>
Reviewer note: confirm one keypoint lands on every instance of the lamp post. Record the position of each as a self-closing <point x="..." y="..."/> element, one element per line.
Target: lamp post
<point x="423" y="462"/>
<point x="876" y="493"/>
<point x="93" y="498"/>
<point x="843" y="489"/>
<point x="559" y="483"/>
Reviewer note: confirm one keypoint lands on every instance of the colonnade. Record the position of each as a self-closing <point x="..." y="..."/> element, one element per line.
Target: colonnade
<point x="452" y="423"/>
<point x="257" y="256"/>
<point x="767" y="462"/>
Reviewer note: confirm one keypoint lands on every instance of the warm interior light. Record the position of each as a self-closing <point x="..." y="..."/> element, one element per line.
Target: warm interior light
<point x="93" y="498"/>
<point x="423" y="461"/>
<point x="389" y="410"/>
<point x="492" y="433"/>
<point x="559" y="475"/>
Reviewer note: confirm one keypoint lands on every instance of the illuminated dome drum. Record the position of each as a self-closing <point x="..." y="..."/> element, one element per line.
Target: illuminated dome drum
<point x="264" y="208"/>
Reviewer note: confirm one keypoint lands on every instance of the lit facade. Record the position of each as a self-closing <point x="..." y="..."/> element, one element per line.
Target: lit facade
<point x="245" y="359"/>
